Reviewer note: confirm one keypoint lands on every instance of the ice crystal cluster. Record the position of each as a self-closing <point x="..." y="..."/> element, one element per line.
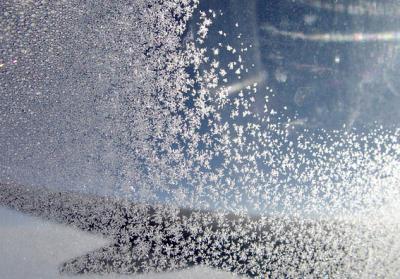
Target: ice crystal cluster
<point x="136" y="97"/>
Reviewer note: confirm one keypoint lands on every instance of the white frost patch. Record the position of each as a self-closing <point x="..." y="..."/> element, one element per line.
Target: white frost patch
<point x="32" y="248"/>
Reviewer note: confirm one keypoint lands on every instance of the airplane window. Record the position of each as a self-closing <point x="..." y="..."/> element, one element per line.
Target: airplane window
<point x="200" y="138"/>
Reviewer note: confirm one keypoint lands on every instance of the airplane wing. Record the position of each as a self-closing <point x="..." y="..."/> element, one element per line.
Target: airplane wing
<point x="86" y="212"/>
<point x="164" y="238"/>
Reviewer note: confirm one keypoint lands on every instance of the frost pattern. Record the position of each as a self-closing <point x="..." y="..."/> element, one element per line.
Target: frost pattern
<point x="178" y="131"/>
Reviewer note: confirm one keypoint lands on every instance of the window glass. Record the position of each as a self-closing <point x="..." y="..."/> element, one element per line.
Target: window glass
<point x="256" y="137"/>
